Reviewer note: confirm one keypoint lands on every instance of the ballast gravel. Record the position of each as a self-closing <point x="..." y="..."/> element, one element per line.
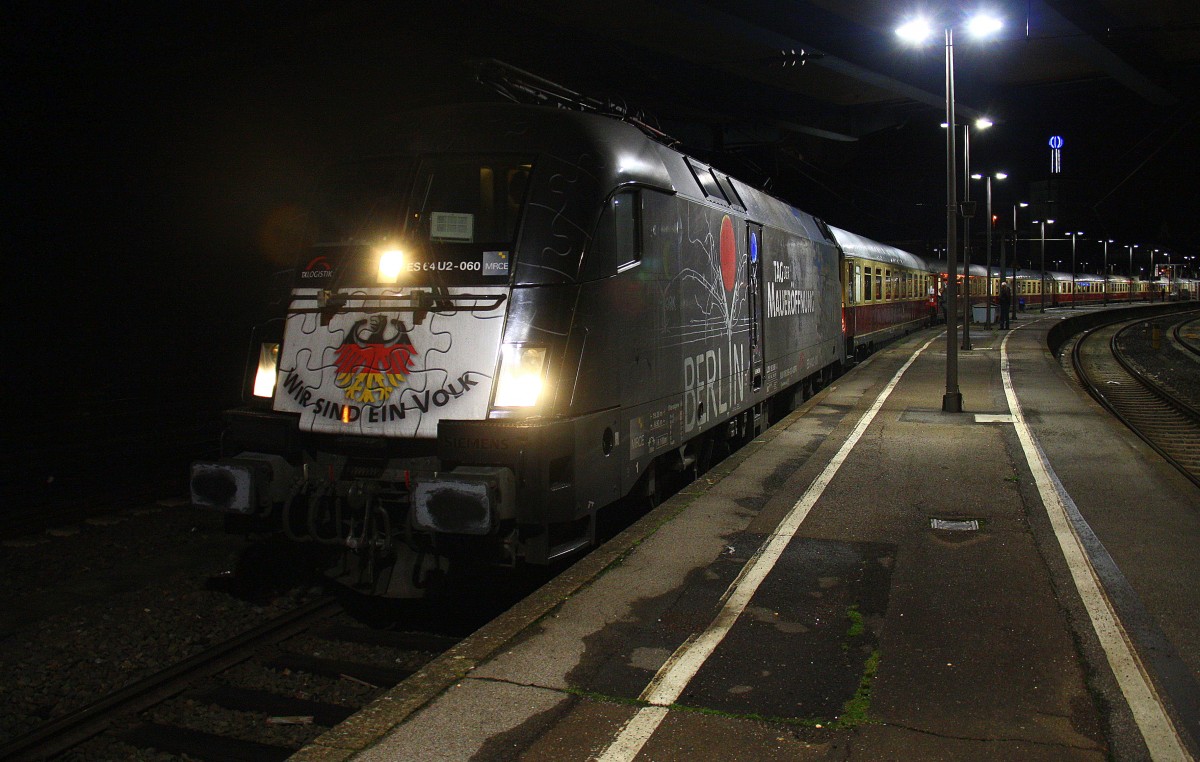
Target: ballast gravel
<point x="89" y="608"/>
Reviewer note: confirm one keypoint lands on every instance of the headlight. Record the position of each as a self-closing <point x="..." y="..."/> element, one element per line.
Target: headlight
<point x="391" y="264"/>
<point x="268" y="364"/>
<point x="522" y="376"/>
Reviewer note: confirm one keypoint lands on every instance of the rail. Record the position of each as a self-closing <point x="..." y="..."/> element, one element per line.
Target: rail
<point x="66" y="732"/>
<point x="1165" y="422"/>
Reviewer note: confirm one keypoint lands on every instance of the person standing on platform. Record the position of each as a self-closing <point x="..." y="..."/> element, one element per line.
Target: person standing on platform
<point x="1005" y="306"/>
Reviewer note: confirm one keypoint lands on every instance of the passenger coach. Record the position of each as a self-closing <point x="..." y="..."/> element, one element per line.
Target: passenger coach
<point x="888" y="291"/>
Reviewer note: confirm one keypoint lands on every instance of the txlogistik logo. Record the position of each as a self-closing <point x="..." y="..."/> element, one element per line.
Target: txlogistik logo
<point x="318" y="268"/>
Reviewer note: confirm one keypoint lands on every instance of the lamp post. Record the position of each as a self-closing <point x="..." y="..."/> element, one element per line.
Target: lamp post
<point x="1131" y="247"/>
<point x="1043" y="224"/>
<point x="918" y="30"/>
<point x="1107" y="241"/>
<point x="1150" y="278"/>
<point x="988" y="253"/>
<point x="1073" y="235"/>
<point x="1013" y="289"/>
<point x="968" y="212"/>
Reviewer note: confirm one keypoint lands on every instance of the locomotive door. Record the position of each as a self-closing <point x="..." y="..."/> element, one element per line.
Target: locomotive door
<point x="754" y="302"/>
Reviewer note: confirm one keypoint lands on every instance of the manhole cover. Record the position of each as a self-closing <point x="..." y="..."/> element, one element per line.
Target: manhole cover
<point x="955" y="525"/>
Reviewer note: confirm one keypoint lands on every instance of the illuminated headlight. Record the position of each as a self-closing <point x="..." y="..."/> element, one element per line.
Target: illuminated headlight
<point x="522" y="376"/>
<point x="391" y="264"/>
<point x="268" y="364"/>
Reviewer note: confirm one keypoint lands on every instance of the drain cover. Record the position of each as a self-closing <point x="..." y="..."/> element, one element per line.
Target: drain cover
<point x="955" y="525"/>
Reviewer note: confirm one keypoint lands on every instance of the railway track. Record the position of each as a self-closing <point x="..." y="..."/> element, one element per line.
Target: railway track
<point x="213" y="706"/>
<point x="1143" y="389"/>
<point x="1187" y="334"/>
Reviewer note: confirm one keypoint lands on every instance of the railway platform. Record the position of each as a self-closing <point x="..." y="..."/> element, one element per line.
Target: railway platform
<point x="872" y="579"/>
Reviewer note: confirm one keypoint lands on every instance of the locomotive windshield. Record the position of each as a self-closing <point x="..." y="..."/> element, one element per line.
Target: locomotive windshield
<point x="454" y="217"/>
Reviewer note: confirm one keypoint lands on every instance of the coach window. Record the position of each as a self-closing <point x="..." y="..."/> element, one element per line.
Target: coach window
<point x="879" y="273"/>
<point x="867" y="284"/>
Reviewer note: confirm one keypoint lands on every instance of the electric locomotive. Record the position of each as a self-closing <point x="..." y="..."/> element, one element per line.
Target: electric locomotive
<point x="510" y="317"/>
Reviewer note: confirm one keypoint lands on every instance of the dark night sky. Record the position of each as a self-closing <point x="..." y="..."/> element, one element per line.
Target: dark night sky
<point x="152" y="155"/>
<point x="153" y="150"/>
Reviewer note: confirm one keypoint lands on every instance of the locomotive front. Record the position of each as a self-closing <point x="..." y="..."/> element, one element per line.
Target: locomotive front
<point x="408" y="410"/>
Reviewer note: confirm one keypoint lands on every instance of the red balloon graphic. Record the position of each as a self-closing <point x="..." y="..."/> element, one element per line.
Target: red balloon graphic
<point x="728" y="254"/>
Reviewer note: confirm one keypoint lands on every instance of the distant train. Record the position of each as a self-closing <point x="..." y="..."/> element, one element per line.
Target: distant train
<point x="513" y="316"/>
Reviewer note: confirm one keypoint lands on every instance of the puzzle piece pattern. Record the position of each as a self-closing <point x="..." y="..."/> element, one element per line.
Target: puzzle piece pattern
<point x="451" y="375"/>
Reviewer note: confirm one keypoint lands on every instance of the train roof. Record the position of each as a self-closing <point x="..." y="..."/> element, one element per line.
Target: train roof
<point x="859" y="246"/>
<point x="941" y="266"/>
<point x="521" y="129"/>
<point x="601" y="152"/>
<point x="1056" y="275"/>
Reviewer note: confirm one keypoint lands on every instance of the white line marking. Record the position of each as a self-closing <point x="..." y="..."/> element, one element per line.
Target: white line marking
<point x="991" y="418"/>
<point x="1159" y="733"/>
<point x="683" y="665"/>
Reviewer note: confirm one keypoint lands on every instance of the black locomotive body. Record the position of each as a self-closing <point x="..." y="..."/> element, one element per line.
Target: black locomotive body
<point x="513" y="316"/>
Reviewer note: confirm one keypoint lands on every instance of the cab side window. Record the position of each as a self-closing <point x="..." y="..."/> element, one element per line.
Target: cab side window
<point x="618" y="242"/>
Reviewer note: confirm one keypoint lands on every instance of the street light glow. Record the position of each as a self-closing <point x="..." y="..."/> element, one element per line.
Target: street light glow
<point x="984" y="25"/>
<point x="982" y="123"/>
<point x="916" y="31"/>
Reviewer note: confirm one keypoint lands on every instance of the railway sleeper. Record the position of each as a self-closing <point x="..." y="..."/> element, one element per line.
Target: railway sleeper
<point x="198" y="744"/>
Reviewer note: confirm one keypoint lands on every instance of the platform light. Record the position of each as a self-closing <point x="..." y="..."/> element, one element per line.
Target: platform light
<point x="981" y="123"/>
<point x="983" y="25"/>
<point x="916" y="31"/>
